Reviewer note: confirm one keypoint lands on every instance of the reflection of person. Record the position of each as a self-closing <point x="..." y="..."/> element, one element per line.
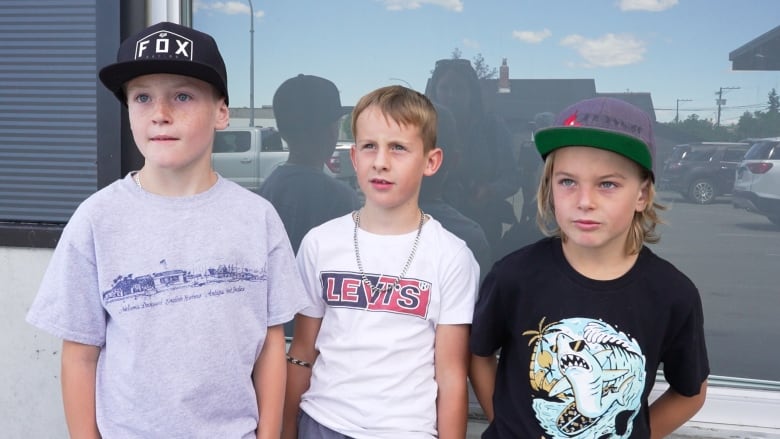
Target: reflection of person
<point x="307" y="109"/>
<point x="592" y="310"/>
<point x="169" y="287"/>
<point x="383" y="352"/>
<point x="487" y="173"/>
<point x="432" y="199"/>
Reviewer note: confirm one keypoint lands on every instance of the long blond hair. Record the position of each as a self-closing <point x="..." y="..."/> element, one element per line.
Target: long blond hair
<point x="642" y="226"/>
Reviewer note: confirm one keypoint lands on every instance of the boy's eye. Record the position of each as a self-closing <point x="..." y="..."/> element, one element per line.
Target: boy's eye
<point x="608" y="185"/>
<point x="142" y="98"/>
<point x="367" y="146"/>
<point x="398" y="147"/>
<point x="183" y="97"/>
<point x="566" y="182"/>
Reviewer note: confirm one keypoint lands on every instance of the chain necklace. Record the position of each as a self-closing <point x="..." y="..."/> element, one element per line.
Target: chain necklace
<point x="137" y="179"/>
<point x="375" y="289"/>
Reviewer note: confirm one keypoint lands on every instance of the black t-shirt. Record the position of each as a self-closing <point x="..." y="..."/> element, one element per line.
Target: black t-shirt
<point x="578" y="356"/>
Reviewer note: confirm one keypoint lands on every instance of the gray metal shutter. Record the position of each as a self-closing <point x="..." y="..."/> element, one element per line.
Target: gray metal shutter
<point x="48" y="111"/>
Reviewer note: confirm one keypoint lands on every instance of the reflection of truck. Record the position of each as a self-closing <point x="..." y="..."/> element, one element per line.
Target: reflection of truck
<point x="248" y="155"/>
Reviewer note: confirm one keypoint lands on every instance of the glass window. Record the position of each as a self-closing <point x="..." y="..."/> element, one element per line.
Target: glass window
<point x="531" y="60"/>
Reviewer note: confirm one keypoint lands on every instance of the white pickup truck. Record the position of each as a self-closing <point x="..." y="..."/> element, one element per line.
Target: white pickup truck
<point x="248" y="155"/>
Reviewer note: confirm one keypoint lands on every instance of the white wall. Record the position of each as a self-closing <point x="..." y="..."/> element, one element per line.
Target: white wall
<point x="30" y="401"/>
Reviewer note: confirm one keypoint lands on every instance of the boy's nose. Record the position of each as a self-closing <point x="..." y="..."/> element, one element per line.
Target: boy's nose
<point x="162" y="113"/>
<point x="585" y="199"/>
<point x="380" y="159"/>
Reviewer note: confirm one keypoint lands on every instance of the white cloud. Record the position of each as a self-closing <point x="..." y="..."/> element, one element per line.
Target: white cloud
<point x="471" y="44"/>
<point x="533" y="37"/>
<point x="230" y="7"/>
<point x="611" y="50"/>
<point x="399" y="5"/>
<point x="646" y="5"/>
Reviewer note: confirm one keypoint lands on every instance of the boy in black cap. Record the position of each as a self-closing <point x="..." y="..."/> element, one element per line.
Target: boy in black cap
<point x="169" y="287"/>
<point x="307" y="110"/>
<point x="590" y="313"/>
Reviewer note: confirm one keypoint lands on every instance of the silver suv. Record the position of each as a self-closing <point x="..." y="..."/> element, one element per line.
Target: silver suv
<point x="757" y="184"/>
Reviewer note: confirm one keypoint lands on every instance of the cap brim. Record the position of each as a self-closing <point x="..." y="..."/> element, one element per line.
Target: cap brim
<point x="550" y="139"/>
<point x="114" y="76"/>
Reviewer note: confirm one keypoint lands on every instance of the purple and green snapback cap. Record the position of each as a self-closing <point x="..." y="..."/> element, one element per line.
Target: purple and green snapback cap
<point x="604" y="123"/>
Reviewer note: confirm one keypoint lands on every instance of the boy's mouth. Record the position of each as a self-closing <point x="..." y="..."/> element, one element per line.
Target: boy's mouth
<point x="161" y="138"/>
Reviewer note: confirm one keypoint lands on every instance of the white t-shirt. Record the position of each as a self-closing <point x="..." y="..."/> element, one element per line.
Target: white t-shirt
<point x="178" y="293"/>
<point x="374" y="376"/>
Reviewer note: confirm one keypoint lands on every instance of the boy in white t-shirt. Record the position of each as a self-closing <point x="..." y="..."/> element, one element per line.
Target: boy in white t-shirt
<point x="383" y="352"/>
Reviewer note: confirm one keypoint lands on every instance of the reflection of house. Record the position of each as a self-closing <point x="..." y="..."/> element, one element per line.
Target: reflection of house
<point x="519" y="100"/>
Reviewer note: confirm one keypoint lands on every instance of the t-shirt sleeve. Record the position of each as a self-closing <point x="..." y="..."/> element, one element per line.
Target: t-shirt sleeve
<point x="68" y="303"/>
<point x="487" y="329"/>
<point x="286" y="295"/>
<point x="685" y="363"/>
<point x="459" y="288"/>
<point x="307" y="265"/>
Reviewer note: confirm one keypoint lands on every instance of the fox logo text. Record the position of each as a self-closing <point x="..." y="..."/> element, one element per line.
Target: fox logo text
<point x="164" y="45"/>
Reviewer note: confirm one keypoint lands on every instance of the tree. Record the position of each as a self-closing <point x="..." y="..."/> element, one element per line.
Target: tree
<point x="484" y="71"/>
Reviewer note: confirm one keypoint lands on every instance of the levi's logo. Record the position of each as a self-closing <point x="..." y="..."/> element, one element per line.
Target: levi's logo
<point x="347" y="290"/>
<point x="163" y="45"/>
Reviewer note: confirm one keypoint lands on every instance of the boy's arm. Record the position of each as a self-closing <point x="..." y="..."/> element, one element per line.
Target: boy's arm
<point x="269" y="377"/>
<point x="79" y="367"/>
<point x="671" y="410"/>
<point x="483" y="379"/>
<point x="451" y="361"/>
<point x="298" y="377"/>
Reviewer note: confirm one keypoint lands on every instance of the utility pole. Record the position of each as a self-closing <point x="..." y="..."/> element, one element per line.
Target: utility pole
<point x="251" y="64"/>
<point x="720" y="101"/>
<point x="677" y="111"/>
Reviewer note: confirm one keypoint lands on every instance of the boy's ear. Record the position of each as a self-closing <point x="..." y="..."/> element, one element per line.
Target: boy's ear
<point x="223" y="115"/>
<point x="434" y="158"/>
<point x="352" y="151"/>
<point x="644" y="195"/>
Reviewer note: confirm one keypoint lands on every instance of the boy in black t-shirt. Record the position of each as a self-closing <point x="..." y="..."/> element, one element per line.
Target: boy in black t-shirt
<point x="584" y="318"/>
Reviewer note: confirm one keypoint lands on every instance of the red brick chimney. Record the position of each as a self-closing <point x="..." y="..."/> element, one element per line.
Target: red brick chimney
<point x="503" y="78"/>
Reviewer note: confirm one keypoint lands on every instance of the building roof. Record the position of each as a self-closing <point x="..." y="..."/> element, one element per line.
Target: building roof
<point x="529" y="97"/>
<point x="761" y="53"/>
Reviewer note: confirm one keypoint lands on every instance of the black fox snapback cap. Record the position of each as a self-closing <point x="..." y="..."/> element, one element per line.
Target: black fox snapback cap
<point x="166" y="48"/>
<point x="605" y="123"/>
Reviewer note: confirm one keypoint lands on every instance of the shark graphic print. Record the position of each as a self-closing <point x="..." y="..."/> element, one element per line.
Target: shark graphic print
<point x="587" y="379"/>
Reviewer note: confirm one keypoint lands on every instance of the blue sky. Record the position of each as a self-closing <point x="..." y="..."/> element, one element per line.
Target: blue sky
<point x="673" y="49"/>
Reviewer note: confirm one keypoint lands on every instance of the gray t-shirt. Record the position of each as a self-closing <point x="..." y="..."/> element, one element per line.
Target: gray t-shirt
<point x="178" y="294"/>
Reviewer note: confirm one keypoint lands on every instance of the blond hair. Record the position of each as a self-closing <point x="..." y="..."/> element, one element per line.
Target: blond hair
<point x="642" y="226"/>
<point x="406" y="107"/>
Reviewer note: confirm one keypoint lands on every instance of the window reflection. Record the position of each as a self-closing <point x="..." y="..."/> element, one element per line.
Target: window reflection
<point x="528" y="63"/>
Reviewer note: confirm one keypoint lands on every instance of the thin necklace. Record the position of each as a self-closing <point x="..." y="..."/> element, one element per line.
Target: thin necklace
<point x="375" y="288"/>
<point x="137" y="178"/>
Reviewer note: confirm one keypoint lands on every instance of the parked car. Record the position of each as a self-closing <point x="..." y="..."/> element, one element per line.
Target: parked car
<point x="757" y="184"/>
<point x="248" y="155"/>
<point x="702" y="171"/>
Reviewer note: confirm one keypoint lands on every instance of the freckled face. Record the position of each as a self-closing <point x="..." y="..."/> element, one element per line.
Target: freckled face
<point x="390" y="160"/>
<point x="595" y="194"/>
<point x="173" y="119"/>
